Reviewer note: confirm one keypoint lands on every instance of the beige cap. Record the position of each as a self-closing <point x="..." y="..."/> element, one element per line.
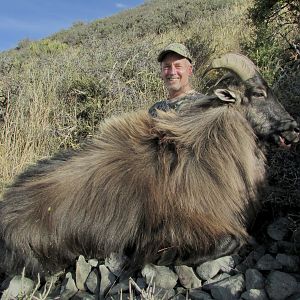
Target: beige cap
<point x="176" y="48"/>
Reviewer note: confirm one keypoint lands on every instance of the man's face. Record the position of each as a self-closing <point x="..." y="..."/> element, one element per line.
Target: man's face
<point x="175" y="72"/>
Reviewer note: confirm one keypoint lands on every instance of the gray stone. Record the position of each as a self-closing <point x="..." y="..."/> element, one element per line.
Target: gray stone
<point x="211" y="268"/>
<point x="294" y="297"/>
<point x="254" y="279"/>
<point x="227" y="263"/>
<point x="121" y="296"/>
<point x="218" y="277"/>
<point x="115" y="263"/>
<point x="259" y="251"/>
<point x="280" y="285"/>
<point x="107" y="279"/>
<point x="242" y="268"/>
<point x="286" y="247"/>
<point x="273" y="248"/>
<point x="187" y="277"/>
<point x="141" y="282"/>
<point x="161" y="276"/>
<point x="82" y="295"/>
<point x="68" y="288"/>
<point x="290" y="263"/>
<point x="93" y="281"/>
<point x="198" y="294"/>
<point x="255" y="294"/>
<point x="208" y="269"/>
<point x="93" y="262"/>
<point x="83" y="270"/>
<point x="228" y="289"/>
<point x="163" y="294"/>
<point x="119" y="288"/>
<point x="254" y="256"/>
<point x="296" y="235"/>
<point x="268" y="263"/>
<point x="19" y="287"/>
<point x="179" y="297"/>
<point x="279" y="229"/>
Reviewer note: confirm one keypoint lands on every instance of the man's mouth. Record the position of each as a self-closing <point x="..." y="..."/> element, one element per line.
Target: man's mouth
<point x="172" y="79"/>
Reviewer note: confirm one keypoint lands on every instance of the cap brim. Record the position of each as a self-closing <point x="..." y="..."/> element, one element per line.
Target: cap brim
<point x="163" y="54"/>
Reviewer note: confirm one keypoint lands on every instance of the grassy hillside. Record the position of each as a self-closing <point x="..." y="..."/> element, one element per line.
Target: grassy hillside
<point x="54" y="92"/>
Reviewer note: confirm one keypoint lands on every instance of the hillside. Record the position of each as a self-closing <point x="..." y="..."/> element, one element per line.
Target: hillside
<point x="55" y="92"/>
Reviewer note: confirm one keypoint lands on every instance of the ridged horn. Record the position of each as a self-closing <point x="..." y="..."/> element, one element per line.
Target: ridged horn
<point x="238" y="63"/>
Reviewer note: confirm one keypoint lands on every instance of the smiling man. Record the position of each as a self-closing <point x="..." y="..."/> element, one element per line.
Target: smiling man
<point x="176" y="71"/>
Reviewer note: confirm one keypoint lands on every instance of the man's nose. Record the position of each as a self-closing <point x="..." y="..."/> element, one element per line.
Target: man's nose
<point x="172" y="70"/>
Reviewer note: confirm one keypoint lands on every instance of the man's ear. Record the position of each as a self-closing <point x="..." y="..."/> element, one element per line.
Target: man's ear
<point x="191" y="70"/>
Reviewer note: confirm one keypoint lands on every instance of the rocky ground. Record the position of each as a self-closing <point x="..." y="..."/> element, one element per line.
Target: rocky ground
<point x="268" y="270"/>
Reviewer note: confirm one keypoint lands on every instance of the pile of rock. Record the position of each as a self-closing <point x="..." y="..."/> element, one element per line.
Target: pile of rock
<point x="269" y="271"/>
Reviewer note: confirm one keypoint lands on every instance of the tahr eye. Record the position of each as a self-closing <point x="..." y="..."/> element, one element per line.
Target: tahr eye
<point x="259" y="94"/>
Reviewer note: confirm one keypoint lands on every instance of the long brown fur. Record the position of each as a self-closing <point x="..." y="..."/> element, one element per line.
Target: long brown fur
<point x="178" y="181"/>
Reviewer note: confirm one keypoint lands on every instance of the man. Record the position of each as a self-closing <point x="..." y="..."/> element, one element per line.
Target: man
<point x="176" y="71"/>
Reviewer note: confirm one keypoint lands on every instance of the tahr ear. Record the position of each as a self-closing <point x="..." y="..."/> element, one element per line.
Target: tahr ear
<point x="225" y="95"/>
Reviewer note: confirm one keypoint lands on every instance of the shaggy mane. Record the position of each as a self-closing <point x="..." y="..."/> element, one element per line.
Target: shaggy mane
<point x="173" y="175"/>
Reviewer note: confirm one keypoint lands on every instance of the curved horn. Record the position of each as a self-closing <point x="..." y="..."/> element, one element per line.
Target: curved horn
<point x="238" y="63"/>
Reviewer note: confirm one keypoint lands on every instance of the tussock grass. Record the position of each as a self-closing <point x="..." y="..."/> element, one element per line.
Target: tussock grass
<point x="55" y="92"/>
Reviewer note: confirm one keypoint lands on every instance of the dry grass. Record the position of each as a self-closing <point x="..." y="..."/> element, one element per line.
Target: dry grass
<point x="57" y="95"/>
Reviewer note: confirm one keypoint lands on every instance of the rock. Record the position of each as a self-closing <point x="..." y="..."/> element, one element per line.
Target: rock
<point x="187" y="277"/>
<point x="180" y="293"/>
<point x="161" y="276"/>
<point x="120" y="296"/>
<point x="83" y="270"/>
<point x="106" y="281"/>
<point x="273" y="247"/>
<point x="19" y="287"/>
<point x="160" y="293"/>
<point x="241" y="268"/>
<point x="252" y="258"/>
<point x="141" y="282"/>
<point x="280" y="285"/>
<point x="254" y="279"/>
<point x="279" y="229"/>
<point x="294" y="297"/>
<point x="115" y="263"/>
<point x="68" y="288"/>
<point x="93" y="281"/>
<point x="290" y="263"/>
<point x="198" y="294"/>
<point x="208" y="269"/>
<point x="81" y="295"/>
<point x="287" y="247"/>
<point x="179" y="297"/>
<point x="268" y="263"/>
<point x="93" y="262"/>
<point x="228" y="289"/>
<point x="296" y="235"/>
<point x="119" y="288"/>
<point x="259" y="251"/>
<point x="219" y="277"/>
<point x="227" y="263"/>
<point x="255" y="294"/>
